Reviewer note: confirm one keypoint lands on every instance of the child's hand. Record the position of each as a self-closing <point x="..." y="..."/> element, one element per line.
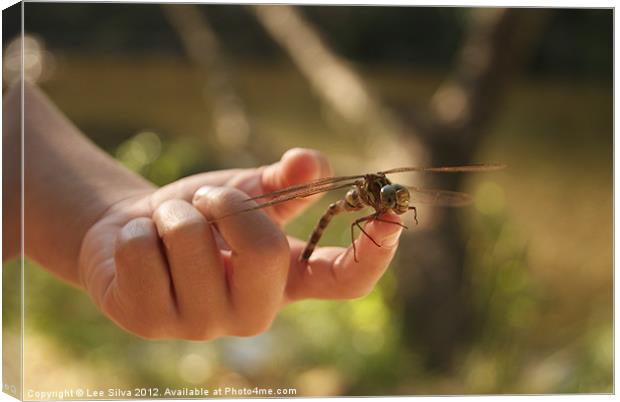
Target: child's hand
<point x="157" y="267"/>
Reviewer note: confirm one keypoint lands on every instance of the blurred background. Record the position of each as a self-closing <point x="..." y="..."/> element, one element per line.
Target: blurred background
<point x="510" y="295"/>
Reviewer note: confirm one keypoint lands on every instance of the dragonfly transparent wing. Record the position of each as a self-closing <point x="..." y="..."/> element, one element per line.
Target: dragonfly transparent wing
<point x="441" y="198"/>
<point x="301" y="193"/>
<point x="310" y="186"/>
<point x="481" y="167"/>
<point x="315" y="184"/>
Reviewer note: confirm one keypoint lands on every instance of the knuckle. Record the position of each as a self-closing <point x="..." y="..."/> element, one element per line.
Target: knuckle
<point x="167" y="208"/>
<point x="136" y="235"/>
<point x="227" y="198"/>
<point x="183" y="228"/>
<point x="175" y="215"/>
<point x="182" y="237"/>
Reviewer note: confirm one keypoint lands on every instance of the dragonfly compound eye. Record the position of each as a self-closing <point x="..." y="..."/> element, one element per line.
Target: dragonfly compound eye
<point x="388" y="196"/>
<point x="402" y="194"/>
<point x="402" y="199"/>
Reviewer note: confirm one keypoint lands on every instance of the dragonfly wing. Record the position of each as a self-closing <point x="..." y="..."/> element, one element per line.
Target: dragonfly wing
<point x="480" y="167"/>
<point x="442" y="198"/>
<point x="287" y="197"/>
<point x="315" y="184"/>
<point x="311" y="185"/>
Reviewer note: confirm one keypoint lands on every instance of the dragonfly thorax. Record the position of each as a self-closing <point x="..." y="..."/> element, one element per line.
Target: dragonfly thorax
<point x="395" y="197"/>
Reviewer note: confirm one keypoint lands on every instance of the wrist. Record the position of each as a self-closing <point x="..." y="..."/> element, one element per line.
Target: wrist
<point x="69" y="183"/>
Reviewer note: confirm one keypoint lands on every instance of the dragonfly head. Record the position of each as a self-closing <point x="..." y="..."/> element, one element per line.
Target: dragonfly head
<point x="395" y="197"/>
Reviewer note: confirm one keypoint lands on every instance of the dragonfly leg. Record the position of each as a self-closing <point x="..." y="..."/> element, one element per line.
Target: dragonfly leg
<point x="392" y="222"/>
<point x="415" y="214"/>
<point x="357" y="223"/>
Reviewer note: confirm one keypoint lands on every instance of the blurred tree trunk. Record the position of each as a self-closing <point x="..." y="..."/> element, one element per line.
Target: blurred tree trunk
<point x="231" y="124"/>
<point x="432" y="287"/>
<point x="342" y="89"/>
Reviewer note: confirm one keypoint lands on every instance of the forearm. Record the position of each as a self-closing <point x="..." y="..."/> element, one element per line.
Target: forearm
<point x="68" y="184"/>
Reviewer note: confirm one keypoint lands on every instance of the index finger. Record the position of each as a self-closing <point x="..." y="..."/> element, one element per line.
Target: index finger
<point x="297" y="166"/>
<point x="258" y="261"/>
<point x="333" y="273"/>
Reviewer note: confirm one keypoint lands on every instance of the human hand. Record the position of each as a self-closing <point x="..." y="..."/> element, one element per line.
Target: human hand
<point x="155" y="265"/>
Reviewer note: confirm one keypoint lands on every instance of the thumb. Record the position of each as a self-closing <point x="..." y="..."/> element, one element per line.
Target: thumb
<point x="297" y="166"/>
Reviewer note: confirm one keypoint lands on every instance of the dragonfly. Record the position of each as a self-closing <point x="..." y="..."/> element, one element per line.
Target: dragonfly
<point x="374" y="190"/>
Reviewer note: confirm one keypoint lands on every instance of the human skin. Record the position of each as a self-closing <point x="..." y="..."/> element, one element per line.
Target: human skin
<point x="148" y="257"/>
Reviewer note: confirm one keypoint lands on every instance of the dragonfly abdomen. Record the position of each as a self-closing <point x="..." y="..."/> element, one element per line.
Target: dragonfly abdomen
<point x="350" y="203"/>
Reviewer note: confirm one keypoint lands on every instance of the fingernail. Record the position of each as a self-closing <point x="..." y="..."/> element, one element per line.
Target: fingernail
<point x="392" y="240"/>
<point x="201" y="192"/>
